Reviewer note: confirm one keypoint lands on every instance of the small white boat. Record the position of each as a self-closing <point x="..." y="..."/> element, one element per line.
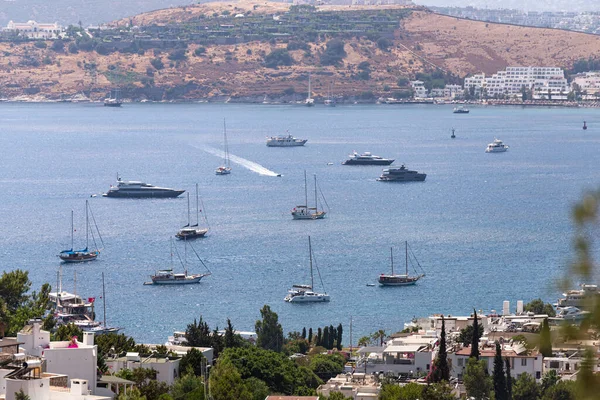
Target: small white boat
<point x="496" y="147"/>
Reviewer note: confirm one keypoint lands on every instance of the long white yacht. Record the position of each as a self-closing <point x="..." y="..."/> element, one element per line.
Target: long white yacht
<point x="304" y="212"/>
<point x="366" y="158"/>
<point x="496" y="147"/>
<point x="285" y="141"/>
<point x="305" y="293"/>
<point x="168" y="277"/>
<point x="576" y="298"/>
<point x="140" y="189"/>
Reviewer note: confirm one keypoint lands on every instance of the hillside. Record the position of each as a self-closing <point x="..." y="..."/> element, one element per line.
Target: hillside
<point x="421" y="42"/>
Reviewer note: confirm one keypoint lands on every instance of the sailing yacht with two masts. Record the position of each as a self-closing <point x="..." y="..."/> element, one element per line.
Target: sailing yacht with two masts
<point x="309" y="102"/>
<point x="72" y="255"/>
<point x="305" y="293"/>
<point x="226" y="168"/>
<point x="399" y="280"/>
<point x="304" y="211"/>
<point x="192" y="231"/>
<point x="169" y="277"/>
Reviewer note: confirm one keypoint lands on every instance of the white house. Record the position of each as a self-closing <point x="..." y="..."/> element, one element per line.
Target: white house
<point x="356" y="386"/>
<point x="35" y="30"/>
<point x="167" y="368"/>
<point x="33" y="340"/>
<point x="419" y="89"/>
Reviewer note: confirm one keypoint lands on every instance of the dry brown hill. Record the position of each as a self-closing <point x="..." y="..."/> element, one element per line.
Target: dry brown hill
<point x="424" y="41"/>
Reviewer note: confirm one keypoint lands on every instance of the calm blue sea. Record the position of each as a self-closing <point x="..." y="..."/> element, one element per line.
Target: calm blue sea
<point x="485" y="227"/>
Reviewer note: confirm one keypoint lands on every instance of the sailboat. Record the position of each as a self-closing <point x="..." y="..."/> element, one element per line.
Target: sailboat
<point x="192" y="231"/>
<point x="168" y="277"/>
<point x="304" y="211"/>
<point x="224" y="169"/>
<point x="399" y="280"/>
<point x="115" y="98"/>
<point x="305" y="293"/>
<point x="309" y="102"/>
<point x="329" y="101"/>
<point x="72" y="255"/>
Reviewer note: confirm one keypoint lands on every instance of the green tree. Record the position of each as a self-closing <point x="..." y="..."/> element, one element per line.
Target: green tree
<point x="537" y="306"/>
<point x="525" y="388"/>
<point x="327" y="366"/>
<point x="340" y="332"/>
<point x="226" y="382"/>
<point x="66" y="332"/>
<point x="304" y="333"/>
<point x="563" y="390"/>
<point x="499" y="377"/>
<point x="438" y="391"/>
<point x="192" y="361"/>
<point x="132" y="394"/>
<point x="391" y="391"/>
<point x="188" y="386"/>
<point x="326" y="338"/>
<point x="509" y="380"/>
<point x="545" y="339"/>
<point x="257" y="388"/>
<point x="440" y="370"/>
<point x="268" y="330"/>
<point x="157" y="63"/>
<point x="230" y="338"/>
<point x="198" y="334"/>
<point x="466" y="334"/>
<point x="477" y="382"/>
<point x="475" y="338"/>
<point x="145" y="381"/>
<point x="113" y="342"/>
<point x="319" y="341"/>
<point x="310" y="335"/>
<point x="278" y="58"/>
<point x="379" y="336"/>
<point x="549" y="379"/>
<point x="334" y="52"/>
<point x="384" y="43"/>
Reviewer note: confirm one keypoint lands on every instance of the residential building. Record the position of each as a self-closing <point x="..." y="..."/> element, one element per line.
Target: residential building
<point x="35" y="30"/>
<point x="33" y="340"/>
<point x="408" y="355"/>
<point x="522" y="361"/>
<point x="356" y="386"/>
<point x="167" y="368"/>
<point x="588" y="83"/>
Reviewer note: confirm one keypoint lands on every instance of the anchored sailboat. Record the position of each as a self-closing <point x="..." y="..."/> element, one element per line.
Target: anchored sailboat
<point x="305" y="293"/>
<point x="399" y="280"/>
<point x="309" y="102"/>
<point x="168" y="277"/>
<point x="224" y="169"/>
<point x="72" y="255"/>
<point x="304" y="211"/>
<point x="192" y="231"/>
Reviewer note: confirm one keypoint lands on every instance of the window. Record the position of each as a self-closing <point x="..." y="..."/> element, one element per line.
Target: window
<point x="554" y="364"/>
<point x="523" y="362"/>
<point x="461" y="362"/>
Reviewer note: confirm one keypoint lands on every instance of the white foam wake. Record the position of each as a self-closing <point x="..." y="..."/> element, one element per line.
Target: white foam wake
<point x="251" y="165"/>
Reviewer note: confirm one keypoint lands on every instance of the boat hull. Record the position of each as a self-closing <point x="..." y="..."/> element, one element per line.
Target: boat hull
<point x="496" y="150"/>
<point x="308" y="299"/>
<point x="416" y="178"/>
<point x="112" y="104"/>
<point x="369" y="162"/>
<point x="394" y="281"/>
<point x="200" y="233"/>
<point x="289" y="144"/>
<point x="79" y="257"/>
<point x="143" y="193"/>
<point x="177" y="282"/>
<point x="305" y="216"/>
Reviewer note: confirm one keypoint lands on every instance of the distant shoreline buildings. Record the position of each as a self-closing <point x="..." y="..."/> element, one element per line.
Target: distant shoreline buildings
<point x="35" y="30"/>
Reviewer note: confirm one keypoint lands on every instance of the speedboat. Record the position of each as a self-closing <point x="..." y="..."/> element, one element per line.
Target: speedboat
<point x="496" y="147"/>
<point x="460" y="110"/>
<point x="285" y="141"/>
<point x="140" y="189"/>
<point x="401" y="174"/>
<point x="366" y="158"/>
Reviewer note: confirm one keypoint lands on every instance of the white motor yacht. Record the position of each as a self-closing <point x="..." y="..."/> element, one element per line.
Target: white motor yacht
<point x="140" y="189"/>
<point x="496" y="147"/>
<point x="285" y="141"/>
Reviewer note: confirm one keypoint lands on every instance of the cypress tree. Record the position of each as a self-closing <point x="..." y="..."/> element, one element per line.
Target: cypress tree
<point x="310" y="335"/>
<point x="441" y="370"/>
<point x="319" y="336"/>
<point x="339" y="337"/>
<point x="332" y="337"/>
<point x="303" y="333"/>
<point x="545" y="339"/>
<point x="499" y="378"/>
<point x="508" y="380"/>
<point x="325" y="342"/>
<point x="475" y="339"/>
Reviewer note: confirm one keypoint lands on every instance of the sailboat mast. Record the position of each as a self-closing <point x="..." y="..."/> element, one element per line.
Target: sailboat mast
<point x="72" y="230"/>
<point x="75" y="282"/>
<point x="312" y="283"/>
<point x="406" y="249"/>
<point x="188" y="200"/>
<point x="104" y="300"/>
<point x="392" y="258"/>
<point x="305" y="191"/>
<point x="309" y="88"/>
<point x="197" y="208"/>
<point x="87" y="229"/>
<point x="226" y="144"/>
<point x="316" y="200"/>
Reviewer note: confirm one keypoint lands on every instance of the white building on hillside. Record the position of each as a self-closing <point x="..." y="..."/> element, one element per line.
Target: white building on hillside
<point x="167" y="368"/>
<point x="419" y="89"/>
<point x="587" y="82"/>
<point x="35" y="30"/>
<point x="356" y="386"/>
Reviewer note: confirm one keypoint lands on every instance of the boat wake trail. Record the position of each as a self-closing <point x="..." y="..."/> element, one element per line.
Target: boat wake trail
<point x="251" y="165"/>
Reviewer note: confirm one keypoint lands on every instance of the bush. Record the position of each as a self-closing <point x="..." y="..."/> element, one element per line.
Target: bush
<point x="289" y="91"/>
<point x="364" y="75"/>
<point x="58" y="46"/>
<point x="297" y="45"/>
<point x="278" y="58"/>
<point x="364" y="66"/>
<point x="384" y="43"/>
<point x="73" y="48"/>
<point x="40" y="45"/>
<point x="177" y="55"/>
<point x="200" y="51"/>
<point x="157" y="63"/>
<point x="102" y="49"/>
<point x="334" y="52"/>
<point x="402" y="81"/>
